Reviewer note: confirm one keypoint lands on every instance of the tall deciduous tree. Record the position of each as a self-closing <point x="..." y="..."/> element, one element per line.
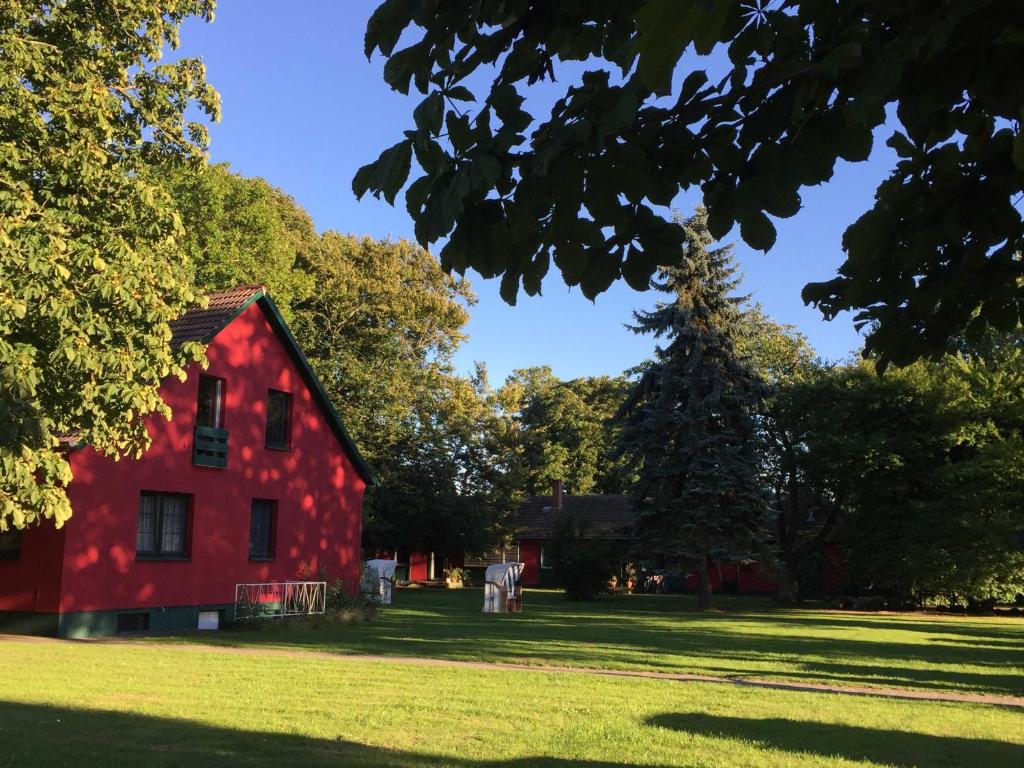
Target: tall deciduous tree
<point x="566" y="430"/>
<point x="796" y="429"/>
<point x="447" y="486"/>
<point x="925" y="462"/>
<point x="806" y="83"/>
<point x="241" y="230"/>
<point x="380" y="330"/>
<point x="690" y="420"/>
<point x="91" y="264"/>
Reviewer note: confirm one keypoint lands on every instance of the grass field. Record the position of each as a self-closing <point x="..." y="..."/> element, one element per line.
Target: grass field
<point x="163" y="703"/>
<point x="750" y="637"/>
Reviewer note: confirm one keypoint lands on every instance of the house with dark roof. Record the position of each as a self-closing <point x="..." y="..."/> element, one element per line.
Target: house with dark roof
<point x="254" y="479"/>
<point x="610" y="517"/>
<point x="607" y="517"/>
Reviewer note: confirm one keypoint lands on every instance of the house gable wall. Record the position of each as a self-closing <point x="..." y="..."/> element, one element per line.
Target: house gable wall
<point x="318" y="491"/>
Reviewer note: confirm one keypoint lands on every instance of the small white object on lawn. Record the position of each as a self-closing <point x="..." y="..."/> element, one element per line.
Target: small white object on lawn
<point x="501" y="582"/>
<point x="380" y="578"/>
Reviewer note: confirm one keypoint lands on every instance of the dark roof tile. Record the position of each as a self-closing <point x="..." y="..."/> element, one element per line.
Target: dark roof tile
<point x="201" y="325"/>
<point x="604" y="517"/>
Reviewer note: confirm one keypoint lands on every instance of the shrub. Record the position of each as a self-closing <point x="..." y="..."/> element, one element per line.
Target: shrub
<point x="582" y="566"/>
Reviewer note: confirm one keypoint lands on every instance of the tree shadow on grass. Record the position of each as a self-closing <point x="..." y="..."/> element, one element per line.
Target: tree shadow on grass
<point x="896" y="748"/>
<point x="38" y="735"/>
<point x="648" y="631"/>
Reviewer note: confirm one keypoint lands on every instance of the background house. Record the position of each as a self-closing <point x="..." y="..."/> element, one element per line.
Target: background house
<point x="254" y="479"/>
<point x="607" y="517"/>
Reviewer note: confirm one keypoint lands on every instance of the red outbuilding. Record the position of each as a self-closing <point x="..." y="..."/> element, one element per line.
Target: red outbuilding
<point x="254" y="479"/>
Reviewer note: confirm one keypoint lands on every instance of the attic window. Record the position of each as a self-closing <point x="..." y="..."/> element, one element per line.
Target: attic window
<point x="210" y="402"/>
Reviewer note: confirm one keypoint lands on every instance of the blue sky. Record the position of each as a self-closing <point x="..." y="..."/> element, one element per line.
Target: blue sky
<point x="304" y="109"/>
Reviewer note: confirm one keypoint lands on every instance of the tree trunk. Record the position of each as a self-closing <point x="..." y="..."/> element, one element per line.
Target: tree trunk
<point x="704" y="596"/>
<point x="789" y="585"/>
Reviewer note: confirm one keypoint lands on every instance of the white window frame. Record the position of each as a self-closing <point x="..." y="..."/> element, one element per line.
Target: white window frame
<point x="544" y="565"/>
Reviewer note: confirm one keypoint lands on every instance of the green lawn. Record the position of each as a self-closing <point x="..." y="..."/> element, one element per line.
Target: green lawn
<point x="158" y="702"/>
<point x="750" y="637"/>
<point x="93" y="704"/>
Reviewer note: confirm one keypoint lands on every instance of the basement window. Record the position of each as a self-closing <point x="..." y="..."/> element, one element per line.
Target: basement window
<point x="127" y="623"/>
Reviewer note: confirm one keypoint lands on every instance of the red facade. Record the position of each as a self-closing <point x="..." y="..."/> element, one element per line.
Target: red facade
<point x="316" y="487"/>
<point x="529" y="556"/>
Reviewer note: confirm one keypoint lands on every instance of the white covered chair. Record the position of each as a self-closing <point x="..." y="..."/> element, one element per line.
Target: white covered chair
<point x="379" y="579"/>
<point x="502" y="593"/>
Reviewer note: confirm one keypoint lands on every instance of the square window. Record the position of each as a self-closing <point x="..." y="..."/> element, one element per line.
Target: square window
<point x="262" y="529"/>
<point x="279" y="419"/>
<point x="10" y="544"/>
<point x="210" y="402"/>
<point x="163" y="525"/>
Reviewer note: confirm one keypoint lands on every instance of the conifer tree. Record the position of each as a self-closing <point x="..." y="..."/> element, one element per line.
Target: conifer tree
<point x="689" y="423"/>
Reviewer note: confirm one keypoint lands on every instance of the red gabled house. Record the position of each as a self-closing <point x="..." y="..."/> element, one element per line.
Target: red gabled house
<point x="606" y="517"/>
<point x="254" y="479"/>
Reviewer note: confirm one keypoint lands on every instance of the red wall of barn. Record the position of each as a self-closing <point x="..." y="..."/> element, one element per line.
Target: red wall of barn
<point x="529" y="556"/>
<point x="32" y="582"/>
<point x="318" y="492"/>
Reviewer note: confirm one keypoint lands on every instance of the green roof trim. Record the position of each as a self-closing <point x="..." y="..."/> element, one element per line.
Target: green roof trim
<point x="298" y="357"/>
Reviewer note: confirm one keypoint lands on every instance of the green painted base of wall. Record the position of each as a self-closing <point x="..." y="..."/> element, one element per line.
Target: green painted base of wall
<point x="27" y="623"/>
<point x="174" y="619"/>
<point x="98" y="623"/>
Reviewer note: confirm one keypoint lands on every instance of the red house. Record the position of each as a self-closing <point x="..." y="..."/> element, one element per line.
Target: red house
<point x="254" y="479"/>
<point x="606" y="517"/>
<point x="610" y="517"/>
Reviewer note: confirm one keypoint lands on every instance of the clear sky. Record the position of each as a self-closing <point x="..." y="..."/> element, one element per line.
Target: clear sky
<point x="304" y="109"/>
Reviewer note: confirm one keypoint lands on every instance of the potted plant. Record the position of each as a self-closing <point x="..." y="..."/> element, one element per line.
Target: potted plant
<point x="630" y="574"/>
<point x="456" y="578"/>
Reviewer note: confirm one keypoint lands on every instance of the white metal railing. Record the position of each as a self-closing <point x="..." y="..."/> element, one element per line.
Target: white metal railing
<point x="276" y="599"/>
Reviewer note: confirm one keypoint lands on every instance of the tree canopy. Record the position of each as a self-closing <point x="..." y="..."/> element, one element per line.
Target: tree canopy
<point x="806" y="83"/>
<point x="934" y="486"/>
<point x="566" y="430"/>
<point x="242" y="230"/>
<point x="91" y="264"/>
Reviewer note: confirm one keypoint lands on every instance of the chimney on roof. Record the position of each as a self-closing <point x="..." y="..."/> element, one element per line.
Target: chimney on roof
<point x="556" y="496"/>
